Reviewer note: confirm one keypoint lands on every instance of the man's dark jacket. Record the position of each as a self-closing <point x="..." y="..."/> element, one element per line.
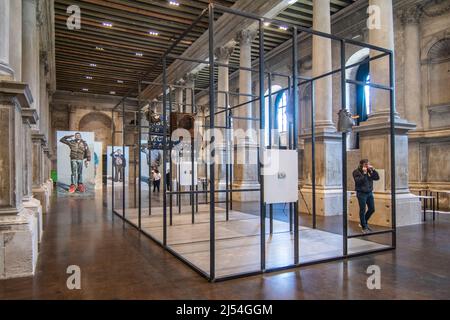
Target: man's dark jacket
<point x="364" y="182"/>
<point x="79" y="149"/>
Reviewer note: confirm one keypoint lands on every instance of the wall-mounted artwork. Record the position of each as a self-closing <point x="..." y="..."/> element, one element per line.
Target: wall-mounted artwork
<point x="75" y="163"/>
<point x="117" y="165"/>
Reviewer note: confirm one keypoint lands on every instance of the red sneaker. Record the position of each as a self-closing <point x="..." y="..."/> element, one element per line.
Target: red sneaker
<point x="81" y="187"/>
<point x="72" y="188"/>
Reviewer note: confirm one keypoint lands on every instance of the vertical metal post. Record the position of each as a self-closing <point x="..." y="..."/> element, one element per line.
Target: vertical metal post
<point x="295" y="125"/>
<point x="164" y="115"/>
<point x="149" y="149"/>
<point x="123" y="151"/>
<point x="269" y="84"/>
<point x="170" y="165"/>
<point x="107" y="155"/>
<point x="313" y="154"/>
<point x="393" y="163"/>
<point x="344" y="154"/>
<point x="261" y="145"/>
<point x="139" y="153"/>
<point x="227" y="195"/>
<point x="212" y="216"/>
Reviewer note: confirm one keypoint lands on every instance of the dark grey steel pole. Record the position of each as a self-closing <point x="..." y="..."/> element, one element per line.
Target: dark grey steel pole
<point x="392" y="129"/>
<point x="139" y="153"/>
<point x="344" y="153"/>
<point x="269" y="84"/>
<point x="123" y="149"/>
<point x="261" y="145"/>
<point x="313" y="153"/>
<point x="212" y="216"/>
<point x="164" y="115"/>
<point x="107" y="155"/>
<point x="295" y="125"/>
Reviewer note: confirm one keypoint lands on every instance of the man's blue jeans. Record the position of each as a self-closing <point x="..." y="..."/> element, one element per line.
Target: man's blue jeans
<point x="77" y="171"/>
<point x="365" y="199"/>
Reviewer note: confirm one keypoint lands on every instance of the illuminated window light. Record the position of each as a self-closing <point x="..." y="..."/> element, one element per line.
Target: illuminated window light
<point x="89" y="77"/>
<point x="85" y="89"/>
<point x="99" y="49"/>
<point x="92" y="65"/>
<point x="284" y="28"/>
<point x="112" y="92"/>
<point x="139" y="54"/>
<point x="107" y="24"/>
<point x="153" y="33"/>
<point x="174" y="3"/>
<point x="119" y="81"/>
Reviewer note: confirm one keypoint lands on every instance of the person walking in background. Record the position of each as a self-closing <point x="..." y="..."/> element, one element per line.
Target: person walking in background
<point x="364" y="177"/>
<point x="156" y="180"/>
<point x="79" y="154"/>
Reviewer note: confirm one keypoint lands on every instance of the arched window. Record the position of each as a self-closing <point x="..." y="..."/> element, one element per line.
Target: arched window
<point x="363" y="93"/>
<point x="280" y="105"/>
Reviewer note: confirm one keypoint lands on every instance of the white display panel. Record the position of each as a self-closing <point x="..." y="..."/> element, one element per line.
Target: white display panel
<point x="185" y="173"/>
<point x="280" y="176"/>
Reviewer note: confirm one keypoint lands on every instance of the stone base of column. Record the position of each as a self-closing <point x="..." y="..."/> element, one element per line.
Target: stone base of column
<point x="49" y="185"/>
<point x="35" y="207"/>
<point x="18" y="244"/>
<point x="43" y="195"/>
<point x="328" y="201"/>
<point x="408" y="210"/>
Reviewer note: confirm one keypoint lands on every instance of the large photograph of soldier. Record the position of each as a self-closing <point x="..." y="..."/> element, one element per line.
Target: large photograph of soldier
<point x="117" y="165"/>
<point x="75" y="163"/>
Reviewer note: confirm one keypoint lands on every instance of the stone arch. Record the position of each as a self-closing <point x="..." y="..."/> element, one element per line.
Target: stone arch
<point x="100" y="124"/>
<point x="438" y="63"/>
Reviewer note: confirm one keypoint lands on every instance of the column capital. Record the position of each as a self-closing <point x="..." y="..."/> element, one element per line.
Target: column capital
<point x="246" y="36"/>
<point x="224" y="53"/>
<point x="29" y="116"/>
<point x="411" y="14"/>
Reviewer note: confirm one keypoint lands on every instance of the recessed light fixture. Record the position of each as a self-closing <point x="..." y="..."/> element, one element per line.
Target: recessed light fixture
<point x="139" y="54"/>
<point x="85" y="89"/>
<point x="153" y="33"/>
<point x="119" y="81"/>
<point x="284" y="28"/>
<point x="107" y="24"/>
<point x="266" y="24"/>
<point x="89" y="77"/>
<point x="92" y="65"/>
<point x="112" y="92"/>
<point x="292" y="1"/>
<point x="99" y="49"/>
<point x="174" y="3"/>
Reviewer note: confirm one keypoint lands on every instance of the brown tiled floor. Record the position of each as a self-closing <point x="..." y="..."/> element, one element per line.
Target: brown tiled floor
<point x="119" y="263"/>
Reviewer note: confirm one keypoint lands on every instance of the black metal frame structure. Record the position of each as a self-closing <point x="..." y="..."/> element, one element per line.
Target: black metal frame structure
<point x="295" y="82"/>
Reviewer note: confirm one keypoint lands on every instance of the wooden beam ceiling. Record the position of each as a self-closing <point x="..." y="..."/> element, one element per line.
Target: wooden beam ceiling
<point x="129" y="50"/>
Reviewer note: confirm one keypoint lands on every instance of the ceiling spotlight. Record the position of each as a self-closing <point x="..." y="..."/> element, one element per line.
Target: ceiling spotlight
<point x="174" y="3"/>
<point x="139" y="54"/>
<point x="112" y="92"/>
<point x="107" y="24"/>
<point x="153" y="33"/>
<point x="89" y="77"/>
<point x="85" y="89"/>
<point x="99" y="49"/>
<point x="92" y="65"/>
<point x="292" y="1"/>
<point x="284" y="28"/>
<point x="266" y="24"/>
<point x="119" y="81"/>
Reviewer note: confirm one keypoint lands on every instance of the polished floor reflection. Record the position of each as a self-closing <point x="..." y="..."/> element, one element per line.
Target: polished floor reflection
<point x="119" y="263"/>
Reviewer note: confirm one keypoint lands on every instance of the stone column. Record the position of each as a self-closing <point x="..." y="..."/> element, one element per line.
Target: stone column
<point x="245" y="160"/>
<point x="328" y="141"/>
<point x="18" y="225"/>
<point x="375" y="135"/>
<point x="223" y="55"/>
<point x="15" y="39"/>
<point x="72" y="118"/>
<point x="5" y="69"/>
<point x="40" y="192"/>
<point x="412" y="75"/>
